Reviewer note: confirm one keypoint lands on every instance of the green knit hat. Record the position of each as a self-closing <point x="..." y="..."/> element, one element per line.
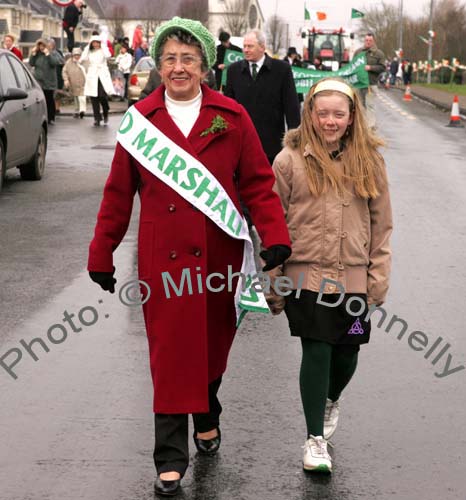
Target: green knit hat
<point x="194" y="28"/>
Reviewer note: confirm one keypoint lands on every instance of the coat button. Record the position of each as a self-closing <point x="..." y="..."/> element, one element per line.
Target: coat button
<point x="346" y="203"/>
<point x="341" y="267"/>
<point x="171" y="207"/>
<point x="344" y="234"/>
<point x="173" y="254"/>
<point x="197" y="252"/>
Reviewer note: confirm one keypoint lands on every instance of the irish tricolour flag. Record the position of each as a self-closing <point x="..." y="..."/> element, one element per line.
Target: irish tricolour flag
<point x="313" y="15"/>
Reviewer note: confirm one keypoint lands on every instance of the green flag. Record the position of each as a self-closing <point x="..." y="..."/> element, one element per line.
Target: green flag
<point x="307" y="14"/>
<point x="356" y="14"/>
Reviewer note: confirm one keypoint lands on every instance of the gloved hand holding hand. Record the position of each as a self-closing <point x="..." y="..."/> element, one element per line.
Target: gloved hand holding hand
<point x="274" y="256"/>
<point x="104" y="279"/>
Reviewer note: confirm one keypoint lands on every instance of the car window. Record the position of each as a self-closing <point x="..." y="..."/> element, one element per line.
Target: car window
<point x="146" y="64"/>
<point x="7" y="77"/>
<point x="24" y="81"/>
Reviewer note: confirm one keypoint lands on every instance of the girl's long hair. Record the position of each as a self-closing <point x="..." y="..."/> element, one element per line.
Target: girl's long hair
<point x="363" y="165"/>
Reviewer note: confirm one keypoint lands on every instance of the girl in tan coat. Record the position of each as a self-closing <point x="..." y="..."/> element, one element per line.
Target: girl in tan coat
<point x="74" y="78"/>
<point x="334" y="190"/>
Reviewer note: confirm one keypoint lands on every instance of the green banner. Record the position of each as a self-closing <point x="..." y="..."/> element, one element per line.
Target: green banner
<point x="353" y="72"/>
<point x="231" y="56"/>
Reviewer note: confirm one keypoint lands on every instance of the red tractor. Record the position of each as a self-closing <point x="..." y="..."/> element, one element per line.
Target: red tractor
<point x="328" y="46"/>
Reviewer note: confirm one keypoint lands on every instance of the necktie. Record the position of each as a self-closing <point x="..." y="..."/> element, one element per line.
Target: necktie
<point x="254" y="71"/>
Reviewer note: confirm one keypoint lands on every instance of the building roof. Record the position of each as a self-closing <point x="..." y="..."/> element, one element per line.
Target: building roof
<point x="43" y="7"/>
<point x="136" y="9"/>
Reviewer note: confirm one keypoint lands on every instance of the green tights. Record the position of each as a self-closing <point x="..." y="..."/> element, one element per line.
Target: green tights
<point x="326" y="369"/>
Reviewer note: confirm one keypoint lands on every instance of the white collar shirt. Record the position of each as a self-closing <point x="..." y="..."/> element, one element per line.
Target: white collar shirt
<point x="259" y="63"/>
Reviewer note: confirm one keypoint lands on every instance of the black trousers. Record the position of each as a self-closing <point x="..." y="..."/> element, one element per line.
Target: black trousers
<point x="70" y="39"/>
<point x="50" y="101"/>
<point x="171" y="452"/>
<point x="100" y="100"/>
<point x="126" y="75"/>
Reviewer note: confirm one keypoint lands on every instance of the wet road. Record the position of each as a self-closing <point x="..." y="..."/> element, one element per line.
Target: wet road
<point x="77" y="422"/>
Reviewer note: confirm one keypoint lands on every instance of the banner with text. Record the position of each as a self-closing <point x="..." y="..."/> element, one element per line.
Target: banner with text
<point x="353" y="72"/>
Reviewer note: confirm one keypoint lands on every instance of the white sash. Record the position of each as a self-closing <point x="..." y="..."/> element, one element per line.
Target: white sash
<point x="195" y="183"/>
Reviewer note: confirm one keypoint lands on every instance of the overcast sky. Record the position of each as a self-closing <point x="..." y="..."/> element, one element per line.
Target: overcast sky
<point x="338" y="12"/>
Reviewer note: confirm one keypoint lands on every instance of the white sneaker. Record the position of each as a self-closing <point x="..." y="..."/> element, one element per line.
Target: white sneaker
<point x="332" y="412"/>
<point x="316" y="457"/>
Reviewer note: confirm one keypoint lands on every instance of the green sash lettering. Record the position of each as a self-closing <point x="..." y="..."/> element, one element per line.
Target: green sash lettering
<point x="192" y="181"/>
<point x="177" y="163"/>
<point x="203" y="189"/>
<point x="142" y="143"/>
<point x="124" y="128"/>
<point x="161" y="156"/>
<point x="221" y="207"/>
<point x="231" y="219"/>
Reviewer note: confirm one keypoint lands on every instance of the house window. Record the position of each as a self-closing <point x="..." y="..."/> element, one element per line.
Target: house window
<point x="253" y="16"/>
<point x="16" y="17"/>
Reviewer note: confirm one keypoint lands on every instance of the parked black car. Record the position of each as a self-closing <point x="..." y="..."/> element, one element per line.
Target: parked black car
<point x="23" y="120"/>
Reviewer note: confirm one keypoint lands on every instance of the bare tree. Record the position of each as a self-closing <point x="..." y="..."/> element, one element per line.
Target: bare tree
<point x="449" y="25"/>
<point x="275" y="32"/>
<point x="119" y="14"/>
<point x="383" y="20"/>
<point x="450" y="28"/>
<point x="154" y="13"/>
<point x="195" y="9"/>
<point x="235" y="17"/>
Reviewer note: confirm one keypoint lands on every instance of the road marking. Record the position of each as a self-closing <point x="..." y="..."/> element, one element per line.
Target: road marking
<point x="389" y="103"/>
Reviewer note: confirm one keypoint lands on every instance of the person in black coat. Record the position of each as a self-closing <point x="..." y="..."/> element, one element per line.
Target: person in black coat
<point x="292" y="58"/>
<point x="265" y="87"/>
<point x="71" y="19"/>
<point x="225" y="45"/>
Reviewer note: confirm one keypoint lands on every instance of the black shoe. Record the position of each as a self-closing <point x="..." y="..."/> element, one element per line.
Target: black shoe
<point x="51" y="122"/>
<point x="81" y="115"/>
<point x="167" y="488"/>
<point x="76" y="115"/>
<point x="208" y="446"/>
<point x="105" y="119"/>
<point x="97" y="123"/>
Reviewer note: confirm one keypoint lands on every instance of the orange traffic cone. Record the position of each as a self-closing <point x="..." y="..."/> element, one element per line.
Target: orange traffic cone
<point x="455" y="120"/>
<point x="408" y="96"/>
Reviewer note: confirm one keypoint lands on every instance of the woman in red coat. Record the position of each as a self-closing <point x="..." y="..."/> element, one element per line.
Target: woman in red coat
<point x="190" y="333"/>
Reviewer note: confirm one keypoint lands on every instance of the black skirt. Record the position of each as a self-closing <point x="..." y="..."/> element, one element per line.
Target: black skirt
<point x="336" y="323"/>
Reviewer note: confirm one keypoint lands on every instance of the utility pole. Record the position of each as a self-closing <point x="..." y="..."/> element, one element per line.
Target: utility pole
<point x="431" y="41"/>
<point x="400" y="35"/>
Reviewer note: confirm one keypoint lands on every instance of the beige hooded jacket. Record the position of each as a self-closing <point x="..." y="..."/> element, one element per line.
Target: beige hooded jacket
<point x="344" y="239"/>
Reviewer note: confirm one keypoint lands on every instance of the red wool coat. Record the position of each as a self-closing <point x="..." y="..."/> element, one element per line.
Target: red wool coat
<point x="189" y="336"/>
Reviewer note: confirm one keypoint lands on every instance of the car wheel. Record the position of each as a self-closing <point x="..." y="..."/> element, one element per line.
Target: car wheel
<point x="34" y="169"/>
<point x="2" y="164"/>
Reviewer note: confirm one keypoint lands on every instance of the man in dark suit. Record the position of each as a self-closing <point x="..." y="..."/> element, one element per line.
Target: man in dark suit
<point x="265" y="87"/>
<point x="225" y="45"/>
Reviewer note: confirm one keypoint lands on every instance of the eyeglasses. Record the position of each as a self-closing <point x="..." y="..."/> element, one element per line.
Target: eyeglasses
<point x="185" y="60"/>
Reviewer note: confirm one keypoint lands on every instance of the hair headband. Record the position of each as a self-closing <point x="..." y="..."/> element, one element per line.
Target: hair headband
<point x="336" y="85"/>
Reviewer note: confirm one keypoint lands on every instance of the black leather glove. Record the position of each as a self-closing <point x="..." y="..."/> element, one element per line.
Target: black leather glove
<point x="105" y="280"/>
<point x="274" y="256"/>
